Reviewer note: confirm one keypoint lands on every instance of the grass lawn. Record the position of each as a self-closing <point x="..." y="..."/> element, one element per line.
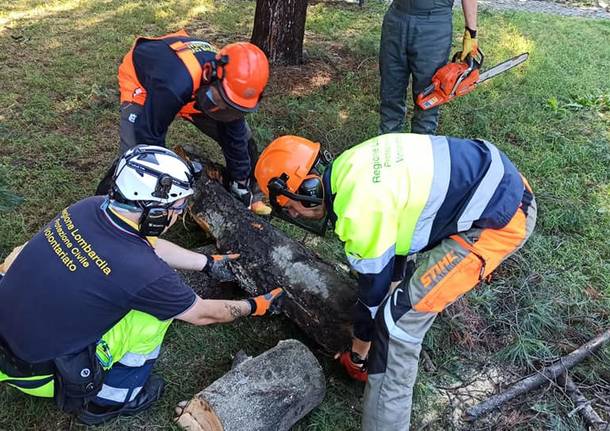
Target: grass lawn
<point x="58" y="132"/>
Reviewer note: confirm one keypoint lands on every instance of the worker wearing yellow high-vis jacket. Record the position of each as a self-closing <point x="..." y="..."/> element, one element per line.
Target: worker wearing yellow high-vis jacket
<point x="387" y="199"/>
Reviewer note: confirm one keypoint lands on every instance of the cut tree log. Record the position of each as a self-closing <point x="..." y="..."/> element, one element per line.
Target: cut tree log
<point x="581" y="404"/>
<point x="548" y="374"/>
<point x="319" y="296"/>
<point x="269" y="392"/>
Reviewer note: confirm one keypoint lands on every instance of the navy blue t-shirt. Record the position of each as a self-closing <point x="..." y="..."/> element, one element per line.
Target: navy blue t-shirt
<point x="77" y="278"/>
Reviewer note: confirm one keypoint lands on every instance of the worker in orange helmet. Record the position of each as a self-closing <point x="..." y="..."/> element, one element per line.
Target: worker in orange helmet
<point x="177" y="74"/>
<point x="388" y="198"/>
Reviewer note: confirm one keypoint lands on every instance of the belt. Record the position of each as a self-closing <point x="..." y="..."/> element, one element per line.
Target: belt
<point x="406" y="7"/>
<point x="12" y="366"/>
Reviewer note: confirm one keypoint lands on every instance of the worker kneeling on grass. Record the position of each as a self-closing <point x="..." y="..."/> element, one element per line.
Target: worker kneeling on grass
<point x="178" y="75"/>
<point x="388" y="198"/>
<point x="86" y="303"/>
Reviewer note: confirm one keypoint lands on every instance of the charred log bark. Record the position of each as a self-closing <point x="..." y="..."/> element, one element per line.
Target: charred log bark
<point x="220" y="284"/>
<point x="279" y="29"/>
<point x="269" y="392"/>
<point x="319" y="297"/>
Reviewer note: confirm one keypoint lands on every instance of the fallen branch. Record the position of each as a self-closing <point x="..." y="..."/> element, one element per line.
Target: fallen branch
<point x="582" y="405"/>
<point x="534" y="381"/>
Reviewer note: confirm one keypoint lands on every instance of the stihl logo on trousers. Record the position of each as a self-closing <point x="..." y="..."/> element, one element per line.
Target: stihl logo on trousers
<point x="437" y="269"/>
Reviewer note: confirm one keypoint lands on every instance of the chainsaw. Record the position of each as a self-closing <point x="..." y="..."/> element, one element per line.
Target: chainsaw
<point x="461" y="77"/>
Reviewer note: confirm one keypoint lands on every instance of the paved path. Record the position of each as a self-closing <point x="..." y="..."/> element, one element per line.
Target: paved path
<point x="543" y="7"/>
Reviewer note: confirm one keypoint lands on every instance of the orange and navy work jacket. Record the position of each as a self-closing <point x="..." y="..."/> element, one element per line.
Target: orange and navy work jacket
<point x="400" y="193"/>
<point x="163" y="74"/>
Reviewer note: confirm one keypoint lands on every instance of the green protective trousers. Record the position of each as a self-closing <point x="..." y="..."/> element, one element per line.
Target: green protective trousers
<point x="136" y="333"/>
<point x="415" y="43"/>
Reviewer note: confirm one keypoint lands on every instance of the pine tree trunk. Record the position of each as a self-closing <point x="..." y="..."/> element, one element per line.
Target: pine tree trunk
<point x="279" y="28"/>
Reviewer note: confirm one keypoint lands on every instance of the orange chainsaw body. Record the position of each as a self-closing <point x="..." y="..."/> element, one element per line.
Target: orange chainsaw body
<point x="451" y="80"/>
<point x="461" y="77"/>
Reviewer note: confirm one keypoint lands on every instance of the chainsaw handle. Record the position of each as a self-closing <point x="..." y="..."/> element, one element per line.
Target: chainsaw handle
<point x="480" y="58"/>
<point x="473" y="63"/>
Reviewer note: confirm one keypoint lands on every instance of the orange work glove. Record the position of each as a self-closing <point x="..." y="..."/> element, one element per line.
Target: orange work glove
<point x="268" y="303"/>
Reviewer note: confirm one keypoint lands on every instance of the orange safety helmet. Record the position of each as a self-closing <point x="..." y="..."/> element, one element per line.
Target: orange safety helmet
<point x="286" y="163"/>
<point x="242" y="70"/>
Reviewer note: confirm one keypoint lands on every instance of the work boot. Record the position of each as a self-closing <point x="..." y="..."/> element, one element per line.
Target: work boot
<point x="151" y="392"/>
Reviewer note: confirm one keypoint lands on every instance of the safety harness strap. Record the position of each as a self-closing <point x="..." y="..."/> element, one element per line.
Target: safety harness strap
<point x="191" y="63"/>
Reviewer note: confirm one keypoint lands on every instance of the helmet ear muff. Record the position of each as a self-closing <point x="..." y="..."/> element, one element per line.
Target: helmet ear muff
<point x="306" y="195"/>
<point x="277" y="186"/>
<point x="310" y="193"/>
<point x="220" y="62"/>
<point x="312" y="187"/>
<point x="278" y="183"/>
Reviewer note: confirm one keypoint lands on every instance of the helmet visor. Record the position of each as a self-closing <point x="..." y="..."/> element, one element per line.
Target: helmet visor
<point x="214" y="105"/>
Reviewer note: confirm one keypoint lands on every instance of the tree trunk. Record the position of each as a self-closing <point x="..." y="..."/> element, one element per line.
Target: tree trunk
<point x="279" y="29"/>
<point x="319" y="296"/>
<point x="269" y="392"/>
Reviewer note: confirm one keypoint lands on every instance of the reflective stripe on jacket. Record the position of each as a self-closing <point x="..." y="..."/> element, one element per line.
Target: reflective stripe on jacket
<point x="132" y="90"/>
<point x="398" y="194"/>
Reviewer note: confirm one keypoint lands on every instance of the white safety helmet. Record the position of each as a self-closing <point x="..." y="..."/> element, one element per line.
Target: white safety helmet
<point x="148" y="175"/>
